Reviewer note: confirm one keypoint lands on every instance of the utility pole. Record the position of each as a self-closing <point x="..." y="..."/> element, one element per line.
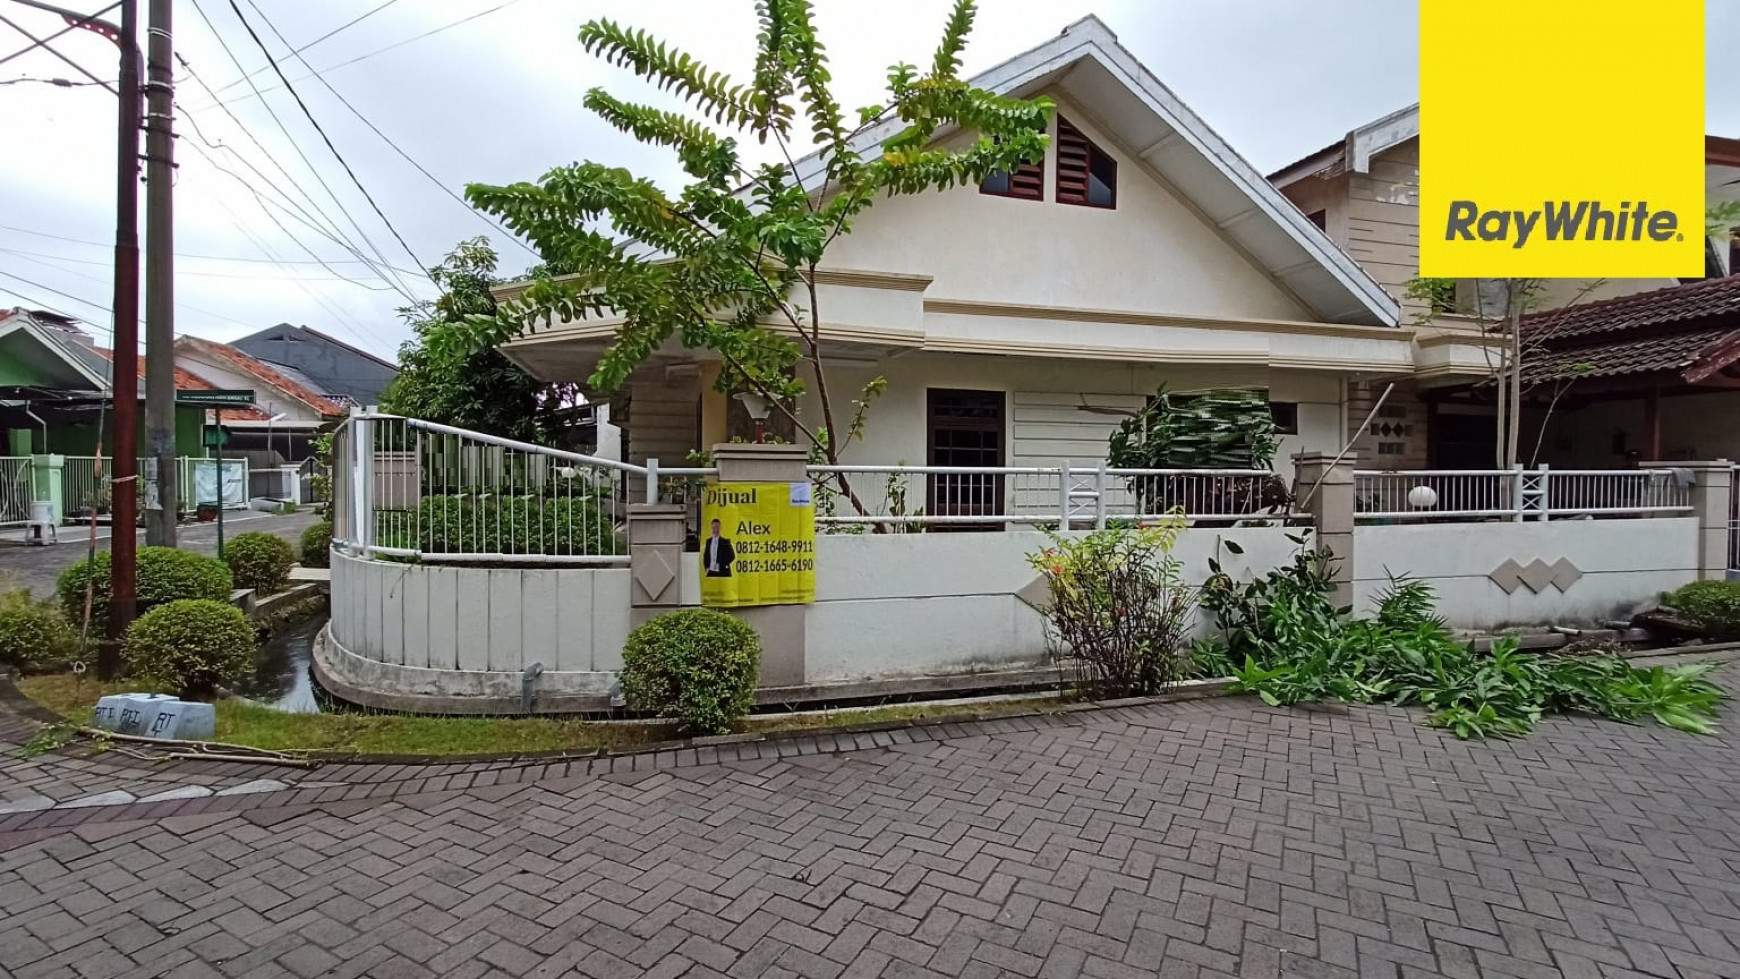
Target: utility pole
<point x="160" y="523"/>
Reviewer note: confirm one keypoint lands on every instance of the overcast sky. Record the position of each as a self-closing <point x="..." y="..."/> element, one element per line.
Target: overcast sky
<point x="496" y="98"/>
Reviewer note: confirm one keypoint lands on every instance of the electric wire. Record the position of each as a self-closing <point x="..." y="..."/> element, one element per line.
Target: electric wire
<point x="336" y="30"/>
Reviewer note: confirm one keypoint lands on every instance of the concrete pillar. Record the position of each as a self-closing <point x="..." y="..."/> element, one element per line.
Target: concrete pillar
<point x="781" y="627"/>
<point x="1712" y="504"/>
<point x="1329" y="485"/>
<point x="655" y="548"/>
<point x="46" y="482"/>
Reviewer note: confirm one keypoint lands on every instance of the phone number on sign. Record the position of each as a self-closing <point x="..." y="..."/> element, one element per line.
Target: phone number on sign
<point x="776" y="547"/>
<point x="777" y="565"/>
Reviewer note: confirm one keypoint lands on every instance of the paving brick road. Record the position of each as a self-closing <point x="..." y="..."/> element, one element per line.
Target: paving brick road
<point x="1211" y="838"/>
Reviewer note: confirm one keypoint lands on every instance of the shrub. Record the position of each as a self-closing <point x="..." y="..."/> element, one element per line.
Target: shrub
<point x="317" y="545"/>
<point x="696" y="665"/>
<point x="164" y="575"/>
<point x="1118" y="605"/>
<point x="32" y="632"/>
<point x="260" y="561"/>
<point x="1714" y="605"/>
<point x="501" y="525"/>
<point x="191" y="646"/>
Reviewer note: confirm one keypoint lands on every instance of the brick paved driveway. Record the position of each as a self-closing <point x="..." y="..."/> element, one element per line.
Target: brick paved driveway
<point x="1201" y="839"/>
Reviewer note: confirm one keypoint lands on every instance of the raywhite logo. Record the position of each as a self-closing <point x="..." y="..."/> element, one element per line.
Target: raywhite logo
<point x="1562" y="221"/>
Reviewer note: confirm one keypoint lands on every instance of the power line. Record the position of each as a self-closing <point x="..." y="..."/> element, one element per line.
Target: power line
<point x="298" y="51"/>
<point x="323" y="137"/>
<point x="390" y="47"/>
<point x="180" y="271"/>
<point x="388" y="140"/>
<point x="57" y="82"/>
<point x="198" y="8"/>
<point x="207" y="258"/>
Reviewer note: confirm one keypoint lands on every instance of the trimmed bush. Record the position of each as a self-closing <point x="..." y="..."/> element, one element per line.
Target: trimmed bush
<point x="501" y="525"/>
<point x="317" y="545"/>
<point x="165" y="575"/>
<point x="191" y="646"/>
<point x="32" y="632"/>
<point x="695" y="665"/>
<point x="1714" y="605"/>
<point x="260" y="561"/>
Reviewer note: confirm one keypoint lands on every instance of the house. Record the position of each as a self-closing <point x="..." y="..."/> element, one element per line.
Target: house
<point x="1363" y="192"/>
<point x="336" y="370"/>
<point x="55" y="394"/>
<point x="290" y="410"/>
<point x="1016" y="321"/>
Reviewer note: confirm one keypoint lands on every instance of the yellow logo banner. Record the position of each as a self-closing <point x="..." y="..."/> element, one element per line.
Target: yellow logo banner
<point x="1561" y="139"/>
<point x="758" y="544"/>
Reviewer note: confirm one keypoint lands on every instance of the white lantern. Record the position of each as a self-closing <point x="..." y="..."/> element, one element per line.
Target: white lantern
<point x="1422" y="497"/>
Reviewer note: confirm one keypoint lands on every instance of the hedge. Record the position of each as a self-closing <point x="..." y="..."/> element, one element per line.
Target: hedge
<point x="317" y="545"/>
<point x="191" y="646"/>
<point x="260" y="561"/>
<point x="696" y="665"/>
<point x="32" y="632"/>
<point x="498" y="525"/>
<point x="164" y="575"/>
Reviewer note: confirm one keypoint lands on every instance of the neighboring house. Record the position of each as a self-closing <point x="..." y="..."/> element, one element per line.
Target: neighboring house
<point x="291" y="412"/>
<point x="55" y="394"/>
<point x="329" y="366"/>
<point x="1363" y="191"/>
<point x="1015" y="321"/>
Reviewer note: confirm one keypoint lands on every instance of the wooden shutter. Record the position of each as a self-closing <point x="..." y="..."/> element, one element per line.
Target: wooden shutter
<point x="1026" y="183"/>
<point x="1077" y="159"/>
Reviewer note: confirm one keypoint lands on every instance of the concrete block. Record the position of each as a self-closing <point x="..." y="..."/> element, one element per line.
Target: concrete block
<point x="128" y="713"/>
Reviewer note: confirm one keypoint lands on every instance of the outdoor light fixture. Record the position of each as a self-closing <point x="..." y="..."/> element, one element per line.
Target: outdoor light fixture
<point x="759" y="407"/>
<point x="1422" y="497"/>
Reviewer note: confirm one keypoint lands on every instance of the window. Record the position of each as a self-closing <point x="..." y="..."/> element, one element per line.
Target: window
<point x="1086" y="174"/>
<point x="1320" y="219"/>
<point x="966" y="429"/>
<point x="1286" y="415"/>
<point x="1392" y="448"/>
<point x="1026" y="183"/>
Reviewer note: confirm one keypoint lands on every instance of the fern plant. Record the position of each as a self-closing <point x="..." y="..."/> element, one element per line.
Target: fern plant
<point x="729" y="263"/>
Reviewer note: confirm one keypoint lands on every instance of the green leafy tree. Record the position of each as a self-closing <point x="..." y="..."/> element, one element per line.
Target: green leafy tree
<point x="444" y="380"/>
<point x="728" y="264"/>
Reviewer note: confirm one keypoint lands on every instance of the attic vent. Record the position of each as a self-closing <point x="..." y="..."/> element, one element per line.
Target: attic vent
<point x="1086" y="174"/>
<point x="1026" y="183"/>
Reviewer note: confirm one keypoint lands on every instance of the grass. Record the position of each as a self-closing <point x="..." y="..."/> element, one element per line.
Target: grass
<point x="241" y="723"/>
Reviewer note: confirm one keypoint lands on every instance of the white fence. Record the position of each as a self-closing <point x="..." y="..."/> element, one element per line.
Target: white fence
<point x="1461" y="495"/>
<point x="86" y="487"/>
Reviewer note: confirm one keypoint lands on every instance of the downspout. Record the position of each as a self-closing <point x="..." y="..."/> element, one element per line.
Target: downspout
<point x="38" y="419"/>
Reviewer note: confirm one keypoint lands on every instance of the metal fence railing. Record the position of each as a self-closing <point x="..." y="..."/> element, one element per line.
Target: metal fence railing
<point x="15" y="489"/>
<point x="407" y="488"/>
<point x="1519" y="494"/>
<point x="86" y="486"/>
<point x="911" y="498"/>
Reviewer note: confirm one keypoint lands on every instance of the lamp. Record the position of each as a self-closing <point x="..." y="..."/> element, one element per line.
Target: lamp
<point x="1422" y="497"/>
<point x="759" y="407"/>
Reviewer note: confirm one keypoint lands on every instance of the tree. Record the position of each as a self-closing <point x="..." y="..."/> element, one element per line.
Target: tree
<point x="448" y="382"/>
<point x="729" y="263"/>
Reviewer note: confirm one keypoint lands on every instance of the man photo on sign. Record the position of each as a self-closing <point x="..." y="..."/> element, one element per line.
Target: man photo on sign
<point x="717" y="555"/>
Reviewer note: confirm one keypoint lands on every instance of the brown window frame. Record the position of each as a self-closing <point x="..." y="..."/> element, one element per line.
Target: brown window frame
<point x="952" y="494"/>
<point x="1029" y="176"/>
<point x="1075" y="179"/>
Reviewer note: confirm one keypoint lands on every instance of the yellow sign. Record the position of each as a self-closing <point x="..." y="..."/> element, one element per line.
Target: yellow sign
<point x="758" y="544"/>
<point x="1561" y="139"/>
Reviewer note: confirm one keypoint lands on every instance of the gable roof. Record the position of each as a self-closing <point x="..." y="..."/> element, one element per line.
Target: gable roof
<point x="1692" y="330"/>
<point x="1353" y="152"/>
<point x="59" y="342"/>
<point x="186" y="380"/>
<point x="1162" y="133"/>
<point x="310" y="331"/>
<point x="267" y="375"/>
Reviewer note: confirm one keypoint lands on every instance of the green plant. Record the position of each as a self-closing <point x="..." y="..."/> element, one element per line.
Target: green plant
<point x="1254" y="615"/>
<point x="316" y="545"/>
<point x="260" y="561"/>
<point x="164" y="574"/>
<point x="501" y="525"/>
<point x="698" y="666"/>
<point x="1119" y="606"/>
<point x="1713" y="605"/>
<point x="32" y="632"/>
<point x="191" y="646"/>
<point x="1227" y="429"/>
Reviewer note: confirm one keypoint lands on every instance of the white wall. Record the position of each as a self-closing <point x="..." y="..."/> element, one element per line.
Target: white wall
<point x="441" y="618"/>
<point x="1152" y="253"/>
<point x="1625" y="563"/>
<point x="1044" y="424"/>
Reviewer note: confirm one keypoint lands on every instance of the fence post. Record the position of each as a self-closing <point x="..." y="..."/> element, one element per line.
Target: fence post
<point x="652" y="480"/>
<point x="363" y="455"/>
<point x="1546" y="488"/>
<point x="1711" y="497"/>
<point x="784" y="648"/>
<point x="1063" y="497"/>
<point x="1328" y="482"/>
<point x="1516" y="493"/>
<point x="655" y="556"/>
<point x="1100" y="496"/>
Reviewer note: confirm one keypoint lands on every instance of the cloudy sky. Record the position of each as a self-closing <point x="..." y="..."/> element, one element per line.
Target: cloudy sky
<point x="487" y="90"/>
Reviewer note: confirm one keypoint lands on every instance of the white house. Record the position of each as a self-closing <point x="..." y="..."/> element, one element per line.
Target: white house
<point x="1014" y="321"/>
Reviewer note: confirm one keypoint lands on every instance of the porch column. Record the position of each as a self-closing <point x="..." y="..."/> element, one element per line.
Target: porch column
<point x="1712" y="503"/>
<point x="1329" y="484"/>
<point x="655" y="553"/>
<point x="781" y="627"/>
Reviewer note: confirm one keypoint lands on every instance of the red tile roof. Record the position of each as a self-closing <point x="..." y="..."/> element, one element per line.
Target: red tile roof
<point x="259" y="369"/>
<point x="186" y="380"/>
<point x="1687" y="330"/>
